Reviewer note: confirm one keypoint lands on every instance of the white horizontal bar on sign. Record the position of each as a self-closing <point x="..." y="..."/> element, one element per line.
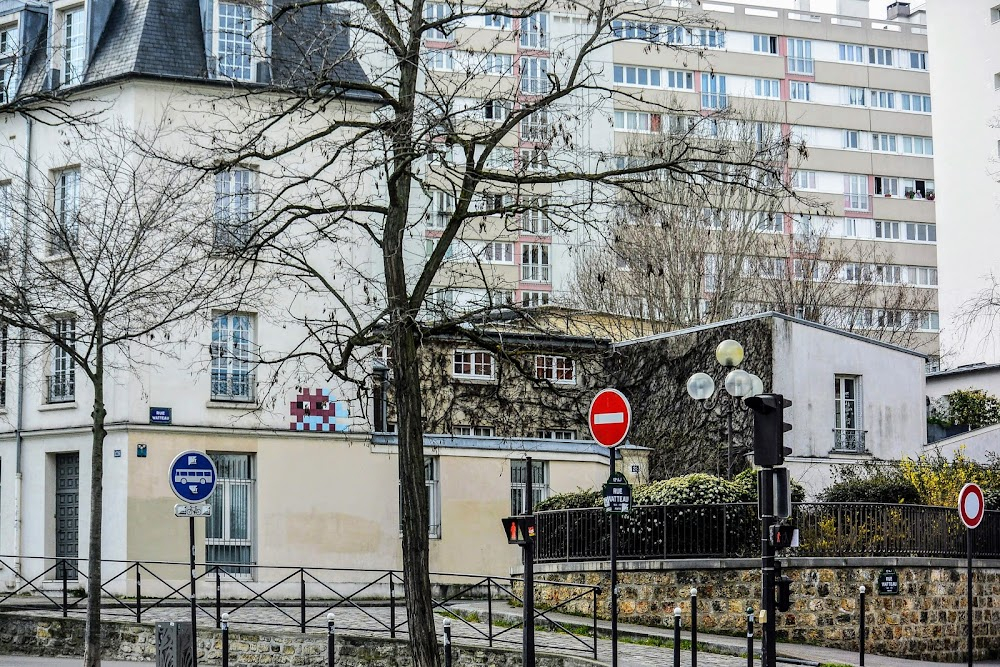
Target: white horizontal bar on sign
<point x="609" y="418"/>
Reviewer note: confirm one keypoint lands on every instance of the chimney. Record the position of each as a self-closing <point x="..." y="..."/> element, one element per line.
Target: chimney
<point x="898" y="10"/>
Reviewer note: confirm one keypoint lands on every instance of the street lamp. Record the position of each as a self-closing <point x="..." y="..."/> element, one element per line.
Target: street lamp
<point x="738" y="383"/>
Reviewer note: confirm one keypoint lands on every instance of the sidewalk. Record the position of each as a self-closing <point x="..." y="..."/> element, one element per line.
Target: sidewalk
<point x="719" y="643"/>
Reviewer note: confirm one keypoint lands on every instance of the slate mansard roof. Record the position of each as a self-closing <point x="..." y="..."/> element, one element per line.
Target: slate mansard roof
<point x="166" y="39"/>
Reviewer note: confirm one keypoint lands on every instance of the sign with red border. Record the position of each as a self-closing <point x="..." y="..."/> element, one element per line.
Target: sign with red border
<point x="610" y="417"/>
<point x="971" y="505"/>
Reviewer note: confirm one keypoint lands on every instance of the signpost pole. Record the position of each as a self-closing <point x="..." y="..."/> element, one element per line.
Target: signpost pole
<point x="971" y="509"/>
<point x="529" y="573"/>
<point x="614" y="572"/>
<point x="194" y="604"/>
<point x="968" y="593"/>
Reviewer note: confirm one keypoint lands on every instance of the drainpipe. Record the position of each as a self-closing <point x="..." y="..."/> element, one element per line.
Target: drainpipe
<point x="19" y="424"/>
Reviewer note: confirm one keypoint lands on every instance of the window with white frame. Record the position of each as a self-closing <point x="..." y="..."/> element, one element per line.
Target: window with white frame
<point x="884" y="143"/>
<point x="851" y="139"/>
<point x="995" y="14"/>
<point x="475" y="431"/>
<point x="917" y="59"/>
<point x="500" y="158"/>
<point x="6" y="216"/>
<point x="473" y="364"/>
<point x="713" y="91"/>
<point x="498" y="252"/>
<point x="232" y="349"/>
<point x="886" y="186"/>
<point x="74" y="44"/>
<point x="856" y="192"/>
<point x="437" y="13"/>
<point x="852" y="272"/>
<point x="230" y="529"/>
<point x="767" y="88"/>
<point x="555" y="434"/>
<point x="66" y="225"/>
<point x="534" y="298"/>
<point x="850" y="227"/>
<point x="442" y="207"/>
<point x="804" y="180"/>
<point x="535" y="266"/>
<point x="800" y="58"/>
<point x="518" y="484"/>
<point x="847" y="403"/>
<point x="879" y="56"/>
<point x="711" y="267"/>
<point x="537" y="126"/>
<point x="927" y="321"/>
<point x="556" y="369"/>
<point x="918" y="188"/>
<point x="914" y="102"/>
<point x="888" y="230"/>
<point x="441" y="60"/>
<point x="765" y="44"/>
<point x="62" y="374"/>
<point x="497" y="22"/>
<point x="234" y="208"/>
<point x="496" y="110"/>
<point x="708" y="38"/>
<point x="646" y="32"/>
<point x="534" y="76"/>
<point x="534" y="159"/>
<point x="798" y="90"/>
<point x="535" y="31"/>
<point x="637" y="76"/>
<point x="637" y="121"/>
<point x="535" y="220"/>
<point x="923" y="276"/>
<point x="918" y="146"/>
<point x="678" y="80"/>
<point x="855" y="96"/>
<point x="235" y="41"/>
<point x="499" y="64"/>
<point x="8" y="84"/>
<point x="921" y="232"/>
<point x="8" y="40"/>
<point x="889" y="274"/>
<point x="882" y="99"/>
<point x="767" y="221"/>
<point x="851" y="53"/>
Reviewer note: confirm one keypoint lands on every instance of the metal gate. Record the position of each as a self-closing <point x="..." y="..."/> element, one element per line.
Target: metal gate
<point x="67" y="510"/>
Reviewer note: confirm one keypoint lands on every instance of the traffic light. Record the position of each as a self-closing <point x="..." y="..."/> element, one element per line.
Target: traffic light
<point x="769" y="428"/>
<point x="781" y="536"/>
<point x="784" y="587"/>
<point x="519" y="529"/>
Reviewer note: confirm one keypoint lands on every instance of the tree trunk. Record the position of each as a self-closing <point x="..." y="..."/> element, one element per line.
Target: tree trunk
<point x="92" y="640"/>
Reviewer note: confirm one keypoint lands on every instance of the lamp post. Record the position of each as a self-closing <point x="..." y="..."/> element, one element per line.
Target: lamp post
<point x="738" y="383"/>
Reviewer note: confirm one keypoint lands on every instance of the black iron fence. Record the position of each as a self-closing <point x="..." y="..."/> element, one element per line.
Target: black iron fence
<point x="375" y="603"/>
<point x="733" y="531"/>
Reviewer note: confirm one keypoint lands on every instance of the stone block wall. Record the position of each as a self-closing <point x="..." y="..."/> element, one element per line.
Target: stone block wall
<point x="926" y="621"/>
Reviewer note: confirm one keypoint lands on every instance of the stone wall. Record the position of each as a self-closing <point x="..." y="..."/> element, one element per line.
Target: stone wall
<point x="41" y="636"/>
<point x="925" y="621"/>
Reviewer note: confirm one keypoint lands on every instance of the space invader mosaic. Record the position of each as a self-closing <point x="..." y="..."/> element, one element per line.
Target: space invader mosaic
<point x="313" y="410"/>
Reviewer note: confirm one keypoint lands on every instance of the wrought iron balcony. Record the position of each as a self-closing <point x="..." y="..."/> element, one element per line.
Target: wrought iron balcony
<point x="849" y="440"/>
<point x="60" y="388"/>
<point x="234" y="386"/>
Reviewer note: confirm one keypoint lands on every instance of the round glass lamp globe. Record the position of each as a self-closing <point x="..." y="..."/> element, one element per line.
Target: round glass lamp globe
<point x="738" y="383"/>
<point x="757" y="386"/>
<point x="729" y="353"/>
<point x="700" y="386"/>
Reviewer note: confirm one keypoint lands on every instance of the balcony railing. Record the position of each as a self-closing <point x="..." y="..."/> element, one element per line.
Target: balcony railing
<point x="849" y="440"/>
<point x="536" y="273"/>
<point x="60" y="388"/>
<point x="233" y="386"/>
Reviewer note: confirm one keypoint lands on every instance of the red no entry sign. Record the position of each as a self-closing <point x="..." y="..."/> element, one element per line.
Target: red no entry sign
<point x="610" y="417"/>
<point x="971" y="505"/>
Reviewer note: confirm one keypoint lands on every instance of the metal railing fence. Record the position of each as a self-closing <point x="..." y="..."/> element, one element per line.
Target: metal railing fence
<point x="733" y="531"/>
<point x="59" y="587"/>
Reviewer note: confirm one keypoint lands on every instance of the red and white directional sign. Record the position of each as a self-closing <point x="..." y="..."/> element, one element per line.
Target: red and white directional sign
<point x="971" y="505"/>
<point x="610" y="417"/>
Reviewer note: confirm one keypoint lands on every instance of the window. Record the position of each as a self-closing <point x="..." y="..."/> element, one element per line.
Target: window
<point x="767" y="88"/>
<point x="856" y="192"/>
<point x="232" y="357"/>
<point x="234" y="208"/>
<point x="499" y="64"/>
<point x="441" y="209"/>
<point x="534" y="159"/>
<point x="850" y="227"/>
<point x="918" y="146"/>
<point x="637" y="121"/>
<point x="713" y="91"/>
<point x="8" y="40"/>
<point x="923" y="276"/>
<point x="884" y="143"/>
<point x="560" y="370"/>
<point x="918" y="60"/>
<point x="927" y="321"/>
<point x="851" y="139"/>
<point x="498" y="252"/>
<point x="6" y="216"/>
<point x="855" y="96"/>
<point x="67" y="210"/>
<point x="535" y="266"/>
<point x="8" y="85"/>
<point x="879" y="56"/>
<point x="851" y="53"/>
<point x="534" y="76"/>
<point x="804" y="180"/>
<point x="886" y="230"/>
<point x="470" y="364"/>
<point x="475" y="431"/>
<point x="647" y="32"/>
<point x="533" y="299"/>
<point x="437" y="12"/>
<point x="889" y="274"/>
<point x="798" y="90"/>
<point x="500" y="157"/>
<point x="637" y="76"/>
<point x="229" y="530"/>
<point x="920" y="232"/>
<point x="712" y="39"/>
<point x="912" y="102"/>
<point x="918" y="188"/>
<point x="497" y="22"/>
<point x="769" y="222"/>
<point x="882" y="99"/>
<point x="235" y="40"/>
<point x="496" y="110"/>
<point x="556" y="434"/>
<point x="535" y="220"/>
<point x="518" y="479"/>
<point x="441" y="60"/>
<point x="765" y="44"/>
<point x="852" y="272"/>
<point x="886" y="186"/>
<point x="535" y="31"/>
<point x="995" y="14"/>
<point x="62" y="380"/>
<point x="74" y="35"/>
<point x="847" y="412"/>
<point x="800" y="56"/>
<point x="679" y="80"/>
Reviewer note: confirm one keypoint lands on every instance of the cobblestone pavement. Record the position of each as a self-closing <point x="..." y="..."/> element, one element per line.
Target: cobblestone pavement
<point x="376" y="621"/>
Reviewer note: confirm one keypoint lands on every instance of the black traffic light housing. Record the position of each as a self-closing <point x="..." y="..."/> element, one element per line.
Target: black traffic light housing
<point x="784" y="588"/>
<point x="769" y="429"/>
<point x="519" y="529"/>
<point x="781" y="536"/>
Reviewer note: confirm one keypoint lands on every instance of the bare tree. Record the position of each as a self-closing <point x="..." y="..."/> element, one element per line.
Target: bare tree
<point x="101" y="262"/>
<point x="393" y="194"/>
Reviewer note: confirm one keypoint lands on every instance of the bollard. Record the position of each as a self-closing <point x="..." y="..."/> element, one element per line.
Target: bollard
<point x="677" y="637"/>
<point x="225" y="640"/>
<point x="447" y="642"/>
<point x="861" y="633"/>
<point x="749" y="636"/>
<point x="330" y="625"/>
<point x="694" y="627"/>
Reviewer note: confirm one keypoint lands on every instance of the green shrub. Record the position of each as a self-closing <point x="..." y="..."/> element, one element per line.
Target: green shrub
<point x="695" y="489"/>
<point x="572" y="500"/>
<point x="746" y="486"/>
<point x="879" y="490"/>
